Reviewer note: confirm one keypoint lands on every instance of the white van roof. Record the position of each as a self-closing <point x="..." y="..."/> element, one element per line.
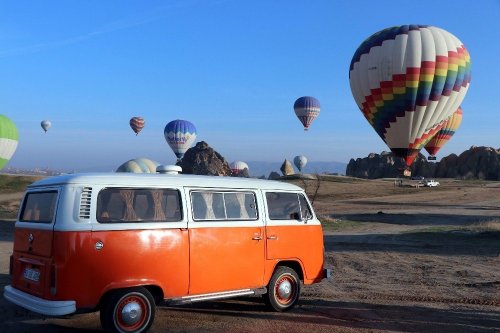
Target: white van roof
<point x="156" y="180"/>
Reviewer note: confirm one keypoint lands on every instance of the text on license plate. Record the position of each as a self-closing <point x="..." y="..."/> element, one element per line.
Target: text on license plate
<point x="31" y="274"/>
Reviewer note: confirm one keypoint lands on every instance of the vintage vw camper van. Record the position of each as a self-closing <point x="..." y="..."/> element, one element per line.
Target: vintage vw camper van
<point x="123" y="243"/>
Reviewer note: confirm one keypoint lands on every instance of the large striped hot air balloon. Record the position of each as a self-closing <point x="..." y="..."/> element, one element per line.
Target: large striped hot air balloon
<point x="9" y="138"/>
<point x="306" y="109"/>
<point x="406" y="80"/>
<point x="137" y="124"/>
<point x="180" y="135"/>
<point x="444" y="134"/>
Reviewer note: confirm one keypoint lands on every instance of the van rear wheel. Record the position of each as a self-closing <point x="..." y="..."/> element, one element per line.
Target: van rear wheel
<point x="283" y="290"/>
<point x="128" y="310"/>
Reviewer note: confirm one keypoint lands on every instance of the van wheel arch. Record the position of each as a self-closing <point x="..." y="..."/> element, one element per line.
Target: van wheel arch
<point x="155" y="291"/>
<point x="295" y="265"/>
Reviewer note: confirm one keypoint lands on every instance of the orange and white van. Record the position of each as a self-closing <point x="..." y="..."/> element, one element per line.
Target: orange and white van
<point x="123" y="243"/>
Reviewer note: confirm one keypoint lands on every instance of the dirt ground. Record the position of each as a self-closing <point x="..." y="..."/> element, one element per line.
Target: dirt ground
<point x="405" y="259"/>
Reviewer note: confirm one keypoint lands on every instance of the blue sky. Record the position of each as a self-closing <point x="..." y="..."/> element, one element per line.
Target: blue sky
<point x="233" y="68"/>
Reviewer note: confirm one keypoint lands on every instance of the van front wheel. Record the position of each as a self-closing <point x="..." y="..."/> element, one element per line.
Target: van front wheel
<point x="283" y="290"/>
<point x="128" y="310"/>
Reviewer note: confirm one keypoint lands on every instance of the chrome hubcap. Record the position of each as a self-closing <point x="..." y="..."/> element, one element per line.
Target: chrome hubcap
<point x="131" y="313"/>
<point x="285" y="289"/>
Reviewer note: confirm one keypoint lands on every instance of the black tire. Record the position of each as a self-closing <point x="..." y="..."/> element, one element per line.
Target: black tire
<point x="128" y="310"/>
<point x="283" y="291"/>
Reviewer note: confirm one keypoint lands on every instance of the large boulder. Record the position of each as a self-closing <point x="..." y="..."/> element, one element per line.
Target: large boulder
<point x="204" y="160"/>
<point x="373" y="166"/>
<point x="274" y="175"/>
<point x="479" y="163"/>
<point x="287" y="168"/>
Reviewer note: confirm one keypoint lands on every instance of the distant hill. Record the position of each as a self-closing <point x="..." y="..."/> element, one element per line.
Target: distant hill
<point x="474" y="163"/>
<point x="259" y="168"/>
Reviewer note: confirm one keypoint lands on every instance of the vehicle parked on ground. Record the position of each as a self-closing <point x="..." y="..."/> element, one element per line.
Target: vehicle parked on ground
<point x="122" y="243"/>
<point x="431" y="183"/>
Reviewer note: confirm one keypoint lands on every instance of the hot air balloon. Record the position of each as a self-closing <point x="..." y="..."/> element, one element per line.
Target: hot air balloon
<point x="406" y="80"/>
<point x="444" y="134"/>
<point x="300" y="162"/>
<point x="137" y="124"/>
<point x="46" y="124"/>
<point x="238" y="166"/>
<point x="139" y="165"/>
<point x="180" y="135"/>
<point x="307" y="109"/>
<point x="9" y="138"/>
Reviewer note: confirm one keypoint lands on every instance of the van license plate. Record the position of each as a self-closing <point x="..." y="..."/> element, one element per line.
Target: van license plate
<point x="31" y="274"/>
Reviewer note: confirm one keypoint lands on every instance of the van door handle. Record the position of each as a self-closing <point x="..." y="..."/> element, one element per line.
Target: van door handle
<point x="272" y="237"/>
<point x="257" y="237"/>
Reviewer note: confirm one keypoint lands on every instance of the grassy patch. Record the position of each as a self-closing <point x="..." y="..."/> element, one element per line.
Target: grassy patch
<point x="486" y="226"/>
<point x="480" y="227"/>
<point x="9" y="184"/>
<point x="331" y="224"/>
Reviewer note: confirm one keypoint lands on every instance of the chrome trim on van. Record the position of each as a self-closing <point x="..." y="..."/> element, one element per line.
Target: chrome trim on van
<point x="214" y="296"/>
<point x="38" y="305"/>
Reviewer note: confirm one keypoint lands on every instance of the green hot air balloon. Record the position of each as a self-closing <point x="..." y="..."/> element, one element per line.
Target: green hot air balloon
<point x="8" y="140"/>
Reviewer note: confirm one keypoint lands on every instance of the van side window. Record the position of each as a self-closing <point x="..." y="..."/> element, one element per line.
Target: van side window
<point x="138" y="205"/>
<point x="284" y="206"/>
<point x="39" y="207"/>
<point x="217" y="206"/>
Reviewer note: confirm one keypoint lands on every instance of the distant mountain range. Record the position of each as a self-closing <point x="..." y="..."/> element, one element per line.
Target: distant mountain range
<point x="259" y="168"/>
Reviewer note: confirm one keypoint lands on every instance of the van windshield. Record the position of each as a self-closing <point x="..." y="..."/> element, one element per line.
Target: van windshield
<point x="39" y="207"/>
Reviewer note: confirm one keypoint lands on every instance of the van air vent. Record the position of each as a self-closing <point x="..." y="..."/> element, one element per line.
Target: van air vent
<point x="85" y="203"/>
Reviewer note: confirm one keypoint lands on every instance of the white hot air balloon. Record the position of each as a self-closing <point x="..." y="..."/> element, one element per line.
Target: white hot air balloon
<point x="300" y="162"/>
<point x="46" y="124"/>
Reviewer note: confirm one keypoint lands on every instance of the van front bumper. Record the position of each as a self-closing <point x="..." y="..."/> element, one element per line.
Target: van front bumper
<point x="37" y="304"/>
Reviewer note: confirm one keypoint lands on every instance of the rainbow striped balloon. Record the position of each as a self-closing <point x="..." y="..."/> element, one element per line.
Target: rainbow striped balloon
<point x="406" y="80"/>
<point x="445" y="133"/>
<point x="9" y="138"/>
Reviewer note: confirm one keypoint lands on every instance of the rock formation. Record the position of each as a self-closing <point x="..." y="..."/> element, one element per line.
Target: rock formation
<point x="475" y="163"/>
<point x="274" y="175"/>
<point x="287" y="168"/>
<point x="203" y="160"/>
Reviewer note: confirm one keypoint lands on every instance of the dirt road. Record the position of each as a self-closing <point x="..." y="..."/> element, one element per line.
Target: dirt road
<point x="412" y="261"/>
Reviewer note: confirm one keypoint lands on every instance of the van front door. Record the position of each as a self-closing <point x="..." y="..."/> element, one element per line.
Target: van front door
<point x="226" y="241"/>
